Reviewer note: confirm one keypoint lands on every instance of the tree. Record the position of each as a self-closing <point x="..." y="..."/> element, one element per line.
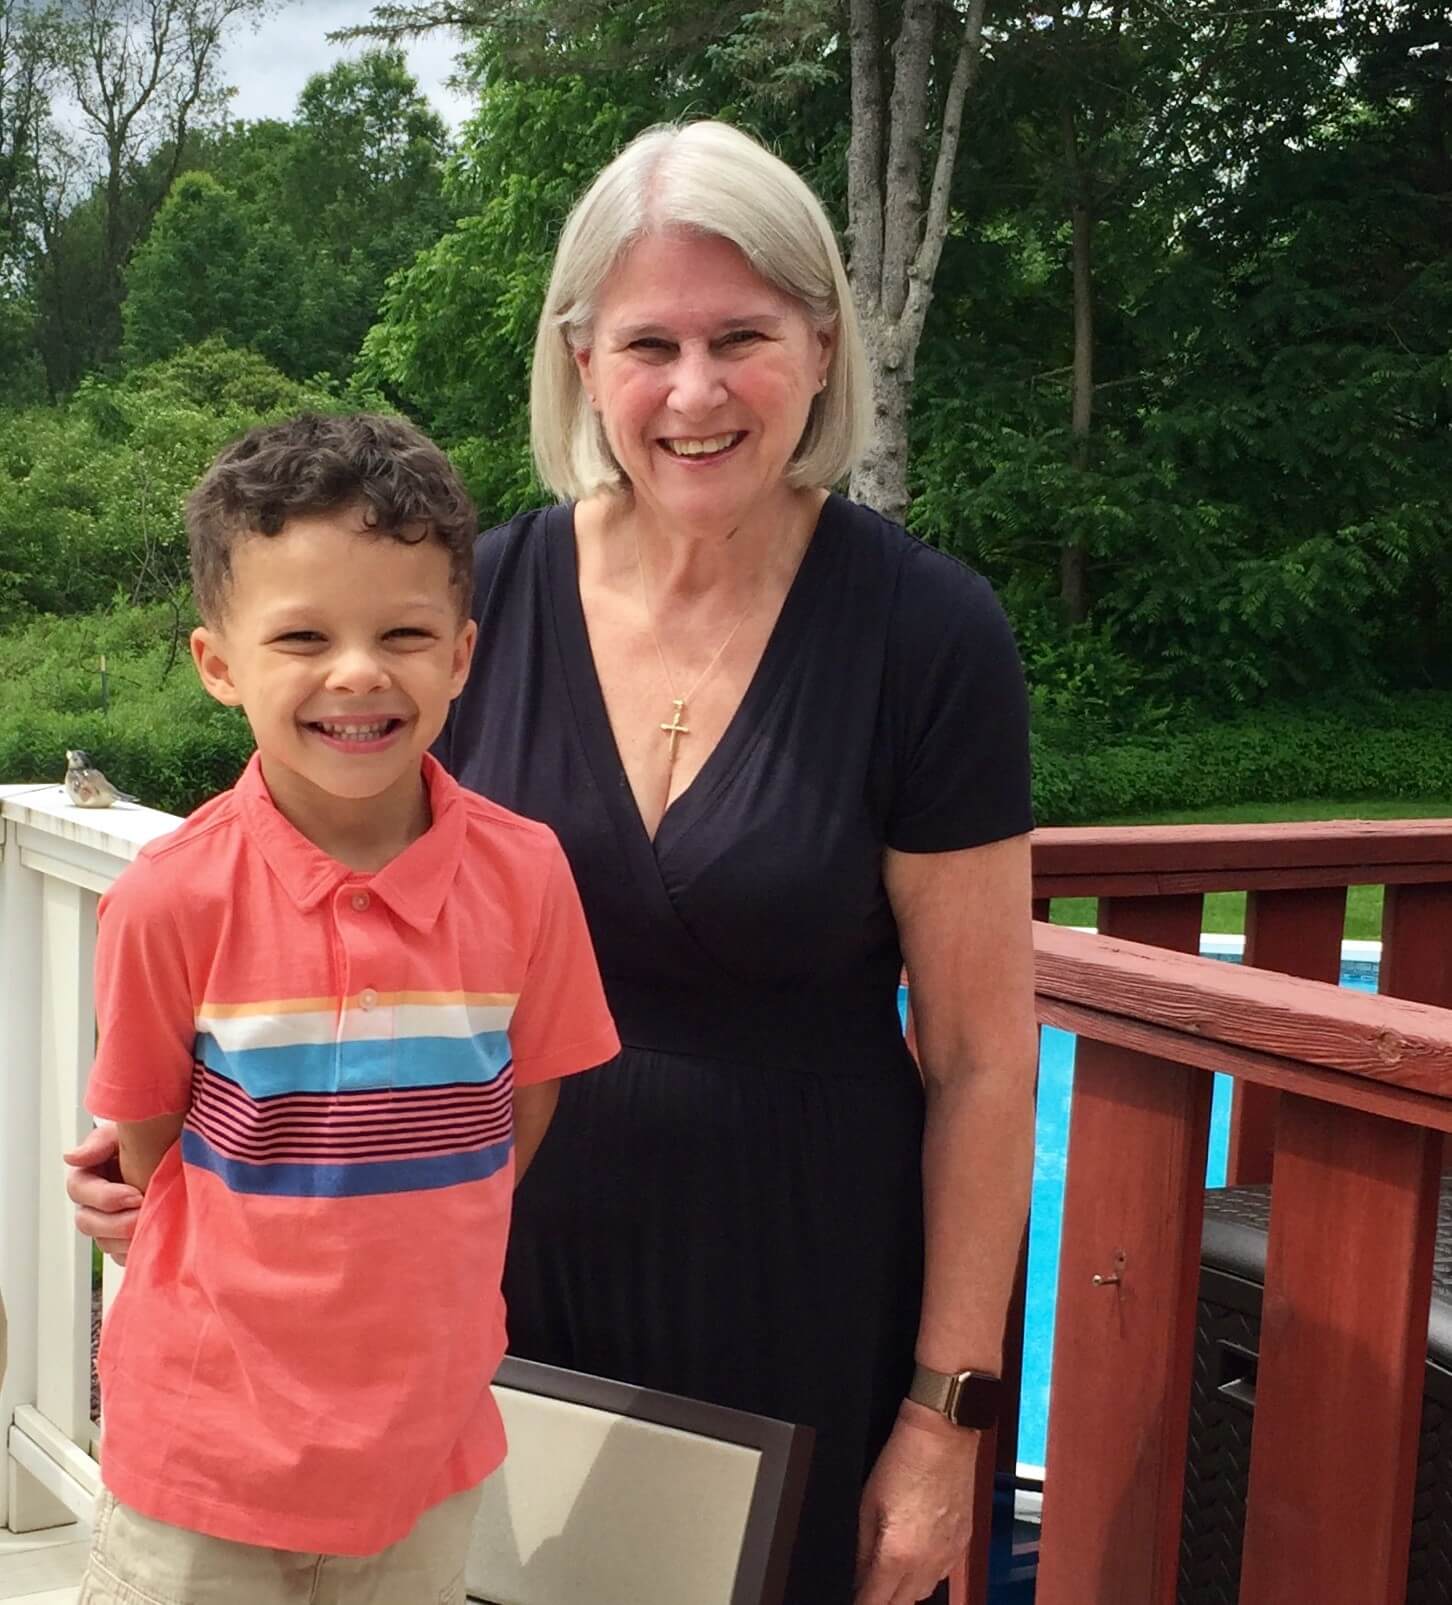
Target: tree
<point x="355" y="182"/>
<point x="211" y="269"/>
<point x="28" y="71"/>
<point x="143" y="74"/>
<point x="896" y="241"/>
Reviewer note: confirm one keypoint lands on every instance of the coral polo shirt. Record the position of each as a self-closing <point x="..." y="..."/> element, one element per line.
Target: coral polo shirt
<point x="301" y="1351"/>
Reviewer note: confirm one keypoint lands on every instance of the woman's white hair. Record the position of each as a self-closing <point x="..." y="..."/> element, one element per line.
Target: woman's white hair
<point x="706" y="178"/>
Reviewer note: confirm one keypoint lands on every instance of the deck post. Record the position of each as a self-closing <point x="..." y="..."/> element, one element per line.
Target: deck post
<point x="1294" y="932"/>
<point x="1128" y="1272"/>
<point x="68" y="1044"/>
<point x="24" y="1504"/>
<point x="1343" y="1349"/>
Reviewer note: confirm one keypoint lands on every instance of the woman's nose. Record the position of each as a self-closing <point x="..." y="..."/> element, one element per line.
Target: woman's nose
<point x="697" y="385"/>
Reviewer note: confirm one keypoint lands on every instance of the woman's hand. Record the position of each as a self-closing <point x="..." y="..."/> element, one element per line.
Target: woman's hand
<point x="106" y="1208"/>
<point x="917" y="1509"/>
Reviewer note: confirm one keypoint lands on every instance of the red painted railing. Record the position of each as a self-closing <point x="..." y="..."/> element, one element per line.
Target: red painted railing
<point x="1344" y="1097"/>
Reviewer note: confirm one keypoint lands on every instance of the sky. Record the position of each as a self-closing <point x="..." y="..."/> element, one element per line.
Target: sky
<point x="268" y="65"/>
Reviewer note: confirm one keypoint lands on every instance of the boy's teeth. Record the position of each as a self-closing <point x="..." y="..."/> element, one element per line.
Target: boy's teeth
<point x="700" y="448"/>
<point x="355" y="732"/>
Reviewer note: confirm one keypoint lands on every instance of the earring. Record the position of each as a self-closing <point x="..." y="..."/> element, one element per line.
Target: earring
<point x="821" y="384"/>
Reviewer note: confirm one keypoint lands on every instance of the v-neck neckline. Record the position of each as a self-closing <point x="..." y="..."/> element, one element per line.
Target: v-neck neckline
<point x="592" y="718"/>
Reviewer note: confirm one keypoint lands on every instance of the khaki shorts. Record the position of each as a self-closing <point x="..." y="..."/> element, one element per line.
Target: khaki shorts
<point x="137" y="1561"/>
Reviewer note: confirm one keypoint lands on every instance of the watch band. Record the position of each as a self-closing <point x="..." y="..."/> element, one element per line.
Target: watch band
<point x="965" y="1398"/>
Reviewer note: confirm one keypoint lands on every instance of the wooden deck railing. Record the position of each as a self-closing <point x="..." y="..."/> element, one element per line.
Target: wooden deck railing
<point x="1346" y="1098"/>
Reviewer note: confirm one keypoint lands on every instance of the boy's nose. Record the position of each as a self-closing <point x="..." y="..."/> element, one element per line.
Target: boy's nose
<point x="357" y="669"/>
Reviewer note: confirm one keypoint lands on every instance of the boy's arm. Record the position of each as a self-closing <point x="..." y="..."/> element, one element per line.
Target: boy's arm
<point x="141" y="1077"/>
<point x="143" y="1143"/>
<point x="534" y="1108"/>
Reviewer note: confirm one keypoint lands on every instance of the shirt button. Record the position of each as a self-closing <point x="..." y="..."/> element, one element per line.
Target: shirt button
<point x="367" y="998"/>
<point x="361" y="901"/>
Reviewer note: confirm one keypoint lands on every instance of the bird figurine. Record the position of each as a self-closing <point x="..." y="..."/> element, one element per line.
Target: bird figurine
<point x="86" y="786"/>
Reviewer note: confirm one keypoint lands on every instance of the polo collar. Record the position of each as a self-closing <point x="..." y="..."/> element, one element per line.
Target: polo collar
<point x="413" y="885"/>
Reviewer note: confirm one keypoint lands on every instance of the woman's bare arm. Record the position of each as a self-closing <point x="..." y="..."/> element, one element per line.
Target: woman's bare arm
<point x="534" y="1108"/>
<point x="142" y="1145"/>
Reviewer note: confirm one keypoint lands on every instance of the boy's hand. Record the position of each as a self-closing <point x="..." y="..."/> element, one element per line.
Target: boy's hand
<point x="106" y="1207"/>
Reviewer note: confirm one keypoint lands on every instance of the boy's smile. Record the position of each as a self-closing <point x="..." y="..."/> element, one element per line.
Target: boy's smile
<point x="344" y="648"/>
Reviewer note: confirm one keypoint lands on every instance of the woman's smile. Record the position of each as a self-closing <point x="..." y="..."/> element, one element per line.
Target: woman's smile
<point x="699" y="450"/>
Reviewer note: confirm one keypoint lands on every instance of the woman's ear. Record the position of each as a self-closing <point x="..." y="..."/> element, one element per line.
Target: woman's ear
<point x="209" y="653"/>
<point x="826" y="350"/>
<point x="582" y="355"/>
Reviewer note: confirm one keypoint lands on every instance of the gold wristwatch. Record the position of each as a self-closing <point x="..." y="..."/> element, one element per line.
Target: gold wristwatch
<point x="965" y="1398"/>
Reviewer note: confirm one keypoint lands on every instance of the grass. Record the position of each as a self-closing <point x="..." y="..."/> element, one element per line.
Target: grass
<point x="1225" y="911"/>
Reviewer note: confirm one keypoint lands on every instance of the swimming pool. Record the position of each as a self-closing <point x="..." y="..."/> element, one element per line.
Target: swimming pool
<point x="1359" y="967"/>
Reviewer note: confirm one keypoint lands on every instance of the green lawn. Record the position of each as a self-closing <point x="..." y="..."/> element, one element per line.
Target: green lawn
<point x="1225" y="911"/>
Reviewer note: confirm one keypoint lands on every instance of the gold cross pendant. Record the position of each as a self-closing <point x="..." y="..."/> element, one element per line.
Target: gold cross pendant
<point x="675" y="729"/>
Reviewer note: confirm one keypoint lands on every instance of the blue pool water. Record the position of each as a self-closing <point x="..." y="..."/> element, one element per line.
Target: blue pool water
<point x="1056" y="1079"/>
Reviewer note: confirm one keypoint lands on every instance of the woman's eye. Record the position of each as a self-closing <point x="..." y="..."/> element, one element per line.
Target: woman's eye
<point x="741" y="337"/>
<point x="651" y="344"/>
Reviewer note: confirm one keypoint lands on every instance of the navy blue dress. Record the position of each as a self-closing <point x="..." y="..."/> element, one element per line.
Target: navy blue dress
<point x="732" y="1208"/>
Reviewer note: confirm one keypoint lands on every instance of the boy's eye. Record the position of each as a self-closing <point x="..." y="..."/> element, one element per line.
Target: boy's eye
<point x="298" y="638"/>
<point x="413" y="631"/>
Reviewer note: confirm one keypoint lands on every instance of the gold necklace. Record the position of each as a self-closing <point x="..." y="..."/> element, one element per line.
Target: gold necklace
<point x="678" y="726"/>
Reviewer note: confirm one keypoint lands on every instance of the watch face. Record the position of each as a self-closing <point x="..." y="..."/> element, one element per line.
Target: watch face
<point x="978" y="1401"/>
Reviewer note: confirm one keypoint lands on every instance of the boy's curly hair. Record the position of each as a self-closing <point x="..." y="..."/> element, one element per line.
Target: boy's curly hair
<point x="318" y="463"/>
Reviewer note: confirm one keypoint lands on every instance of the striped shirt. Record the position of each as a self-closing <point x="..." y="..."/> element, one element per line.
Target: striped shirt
<point x="301" y="1350"/>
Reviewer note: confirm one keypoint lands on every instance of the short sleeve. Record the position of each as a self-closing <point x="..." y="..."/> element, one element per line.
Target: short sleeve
<point x="145" y="1018"/>
<point x="561" y="1022"/>
<point x="958" y="712"/>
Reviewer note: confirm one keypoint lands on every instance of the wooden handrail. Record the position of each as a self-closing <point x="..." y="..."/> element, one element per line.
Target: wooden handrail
<point x="1308" y="1022"/>
<point x="1158" y="860"/>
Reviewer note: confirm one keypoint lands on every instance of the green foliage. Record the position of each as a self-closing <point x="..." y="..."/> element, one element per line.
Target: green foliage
<point x="452" y="345"/>
<point x="91" y="492"/>
<point x="1381" y="748"/>
<point x="285" y="244"/>
<point x="354" y="187"/>
<point x="206" y="272"/>
<point x="1262" y="503"/>
<point x="162" y="738"/>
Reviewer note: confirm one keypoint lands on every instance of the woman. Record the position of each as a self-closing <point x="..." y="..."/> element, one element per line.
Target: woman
<point x="784" y="746"/>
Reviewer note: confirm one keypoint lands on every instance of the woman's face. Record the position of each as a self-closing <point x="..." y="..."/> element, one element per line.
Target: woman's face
<point x="703" y="375"/>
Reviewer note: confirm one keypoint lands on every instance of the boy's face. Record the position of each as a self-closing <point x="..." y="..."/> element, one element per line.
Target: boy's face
<point x="344" y="648"/>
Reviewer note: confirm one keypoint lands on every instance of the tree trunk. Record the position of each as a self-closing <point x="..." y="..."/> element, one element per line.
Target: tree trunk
<point x="880" y="479"/>
<point x="1073" y="575"/>
<point x="896" y="239"/>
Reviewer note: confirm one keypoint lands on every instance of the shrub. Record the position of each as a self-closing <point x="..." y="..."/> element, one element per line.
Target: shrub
<point x="1385" y="749"/>
<point x="91" y="491"/>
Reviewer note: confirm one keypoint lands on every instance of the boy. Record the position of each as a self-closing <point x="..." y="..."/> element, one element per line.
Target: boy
<point x="332" y="1008"/>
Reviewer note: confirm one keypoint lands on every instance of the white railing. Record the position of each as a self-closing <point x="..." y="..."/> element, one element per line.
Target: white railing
<point x="55" y="861"/>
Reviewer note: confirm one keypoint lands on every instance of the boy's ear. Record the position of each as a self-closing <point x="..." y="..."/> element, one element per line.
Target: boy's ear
<point x="209" y="655"/>
<point x="463" y="656"/>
